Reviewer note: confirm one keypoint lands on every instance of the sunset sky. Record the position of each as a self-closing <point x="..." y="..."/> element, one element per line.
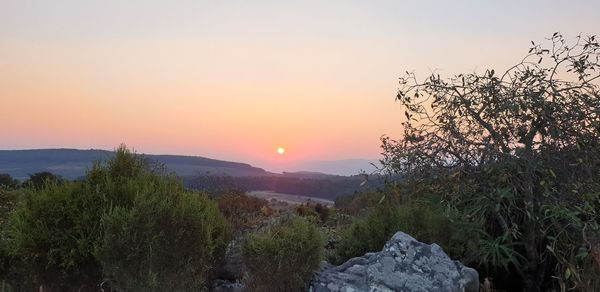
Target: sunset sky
<point x="235" y="80"/>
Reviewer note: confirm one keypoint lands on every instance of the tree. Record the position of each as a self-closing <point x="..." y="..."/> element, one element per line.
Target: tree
<point x="520" y="152"/>
<point x="7" y="181"/>
<point x="39" y="180"/>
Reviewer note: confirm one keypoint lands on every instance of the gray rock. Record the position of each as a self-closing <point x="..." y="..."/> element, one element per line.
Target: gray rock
<point x="232" y="268"/>
<point x="404" y="264"/>
<point x="225" y="286"/>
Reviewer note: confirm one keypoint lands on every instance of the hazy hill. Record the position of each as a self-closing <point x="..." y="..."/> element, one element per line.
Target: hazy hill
<point x="344" y="167"/>
<point x="72" y="163"/>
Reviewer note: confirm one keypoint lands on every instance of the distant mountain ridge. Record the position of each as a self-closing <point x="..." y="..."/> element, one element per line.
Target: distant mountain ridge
<point x="72" y="163"/>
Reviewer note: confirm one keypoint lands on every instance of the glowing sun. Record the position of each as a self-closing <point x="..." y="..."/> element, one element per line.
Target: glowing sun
<point x="280" y="150"/>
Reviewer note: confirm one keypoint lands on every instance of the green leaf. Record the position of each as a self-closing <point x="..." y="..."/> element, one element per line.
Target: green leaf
<point x="567" y="273"/>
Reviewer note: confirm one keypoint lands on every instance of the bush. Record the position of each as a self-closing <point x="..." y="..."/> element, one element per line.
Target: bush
<point x="306" y="210"/>
<point x="40" y="179"/>
<point x="323" y="212"/>
<point x="8" y="202"/>
<point x="359" y="203"/>
<point x="242" y="211"/>
<point x="6" y="181"/>
<point x="424" y="221"/>
<point x="126" y="220"/>
<point x="164" y="242"/>
<point x="51" y="236"/>
<point x="283" y="257"/>
<point x="318" y="210"/>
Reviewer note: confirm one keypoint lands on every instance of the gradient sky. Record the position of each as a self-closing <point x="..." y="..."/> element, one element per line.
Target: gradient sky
<point x="236" y="79"/>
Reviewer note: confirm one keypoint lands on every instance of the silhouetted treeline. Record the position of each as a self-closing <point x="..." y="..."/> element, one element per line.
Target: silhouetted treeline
<point x="36" y="180"/>
<point x="327" y="187"/>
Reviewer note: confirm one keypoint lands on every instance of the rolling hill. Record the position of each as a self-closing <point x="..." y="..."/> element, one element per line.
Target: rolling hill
<point x="72" y="163"/>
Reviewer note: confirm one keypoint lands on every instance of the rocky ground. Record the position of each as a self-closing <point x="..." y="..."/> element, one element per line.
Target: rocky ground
<point x="404" y="264"/>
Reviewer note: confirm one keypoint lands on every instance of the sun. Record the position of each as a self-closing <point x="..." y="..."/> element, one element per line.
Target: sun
<point x="280" y="150"/>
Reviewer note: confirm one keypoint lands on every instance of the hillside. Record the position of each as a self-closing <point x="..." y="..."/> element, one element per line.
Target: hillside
<point x="72" y="163"/>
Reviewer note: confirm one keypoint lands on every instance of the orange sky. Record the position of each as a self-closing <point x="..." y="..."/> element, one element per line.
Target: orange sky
<point x="235" y="81"/>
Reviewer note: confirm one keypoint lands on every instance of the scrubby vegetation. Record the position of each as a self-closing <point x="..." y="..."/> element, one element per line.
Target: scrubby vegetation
<point x="52" y="234"/>
<point x="173" y="241"/>
<point x="518" y="153"/>
<point x="127" y="226"/>
<point x="321" y="186"/>
<point x="318" y="210"/>
<point x="39" y="180"/>
<point x="7" y="181"/>
<point x="242" y="211"/>
<point x="283" y="257"/>
<point x="426" y="221"/>
<point x="501" y="171"/>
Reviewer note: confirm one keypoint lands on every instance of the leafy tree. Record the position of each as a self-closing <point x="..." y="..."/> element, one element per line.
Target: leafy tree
<point x="519" y="152"/>
<point x="39" y="180"/>
<point x="7" y="181"/>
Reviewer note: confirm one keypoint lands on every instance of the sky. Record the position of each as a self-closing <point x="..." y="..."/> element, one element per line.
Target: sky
<point x="235" y="80"/>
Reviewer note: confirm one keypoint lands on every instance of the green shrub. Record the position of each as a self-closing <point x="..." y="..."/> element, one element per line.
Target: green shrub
<point x="40" y="179"/>
<point x="283" y="257"/>
<point x="323" y="212"/>
<point x="50" y="237"/>
<point x="7" y="182"/>
<point x="164" y="242"/>
<point x="318" y="211"/>
<point x="307" y="211"/>
<point x="425" y="221"/>
<point x="242" y="211"/>
<point x="126" y="221"/>
<point x="8" y="202"/>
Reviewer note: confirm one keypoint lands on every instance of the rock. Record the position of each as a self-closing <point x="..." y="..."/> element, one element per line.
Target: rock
<point x="232" y="268"/>
<point x="404" y="264"/>
<point x="226" y="286"/>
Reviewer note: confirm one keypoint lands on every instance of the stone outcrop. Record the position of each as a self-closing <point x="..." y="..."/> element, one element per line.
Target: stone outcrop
<point x="404" y="264"/>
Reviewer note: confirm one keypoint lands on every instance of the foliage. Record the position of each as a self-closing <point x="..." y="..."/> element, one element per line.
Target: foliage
<point x="325" y="186"/>
<point x="426" y="221"/>
<point x="242" y="211"/>
<point x="39" y="180"/>
<point x="6" y="181"/>
<point x="8" y="202"/>
<point x="167" y="241"/>
<point x="358" y="202"/>
<point x="51" y="236"/>
<point x="64" y="236"/>
<point x="323" y="211"/>
<point x="518" y="152"/>
<point x="317" y="210"/>
<point x="392" y="194"/>
<point x="283" y="257"/>
<point x="120" y="179"/>
<point x="305" y="210"/>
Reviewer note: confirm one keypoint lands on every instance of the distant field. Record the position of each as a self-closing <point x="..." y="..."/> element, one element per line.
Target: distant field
<point x="291" y="199"/>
